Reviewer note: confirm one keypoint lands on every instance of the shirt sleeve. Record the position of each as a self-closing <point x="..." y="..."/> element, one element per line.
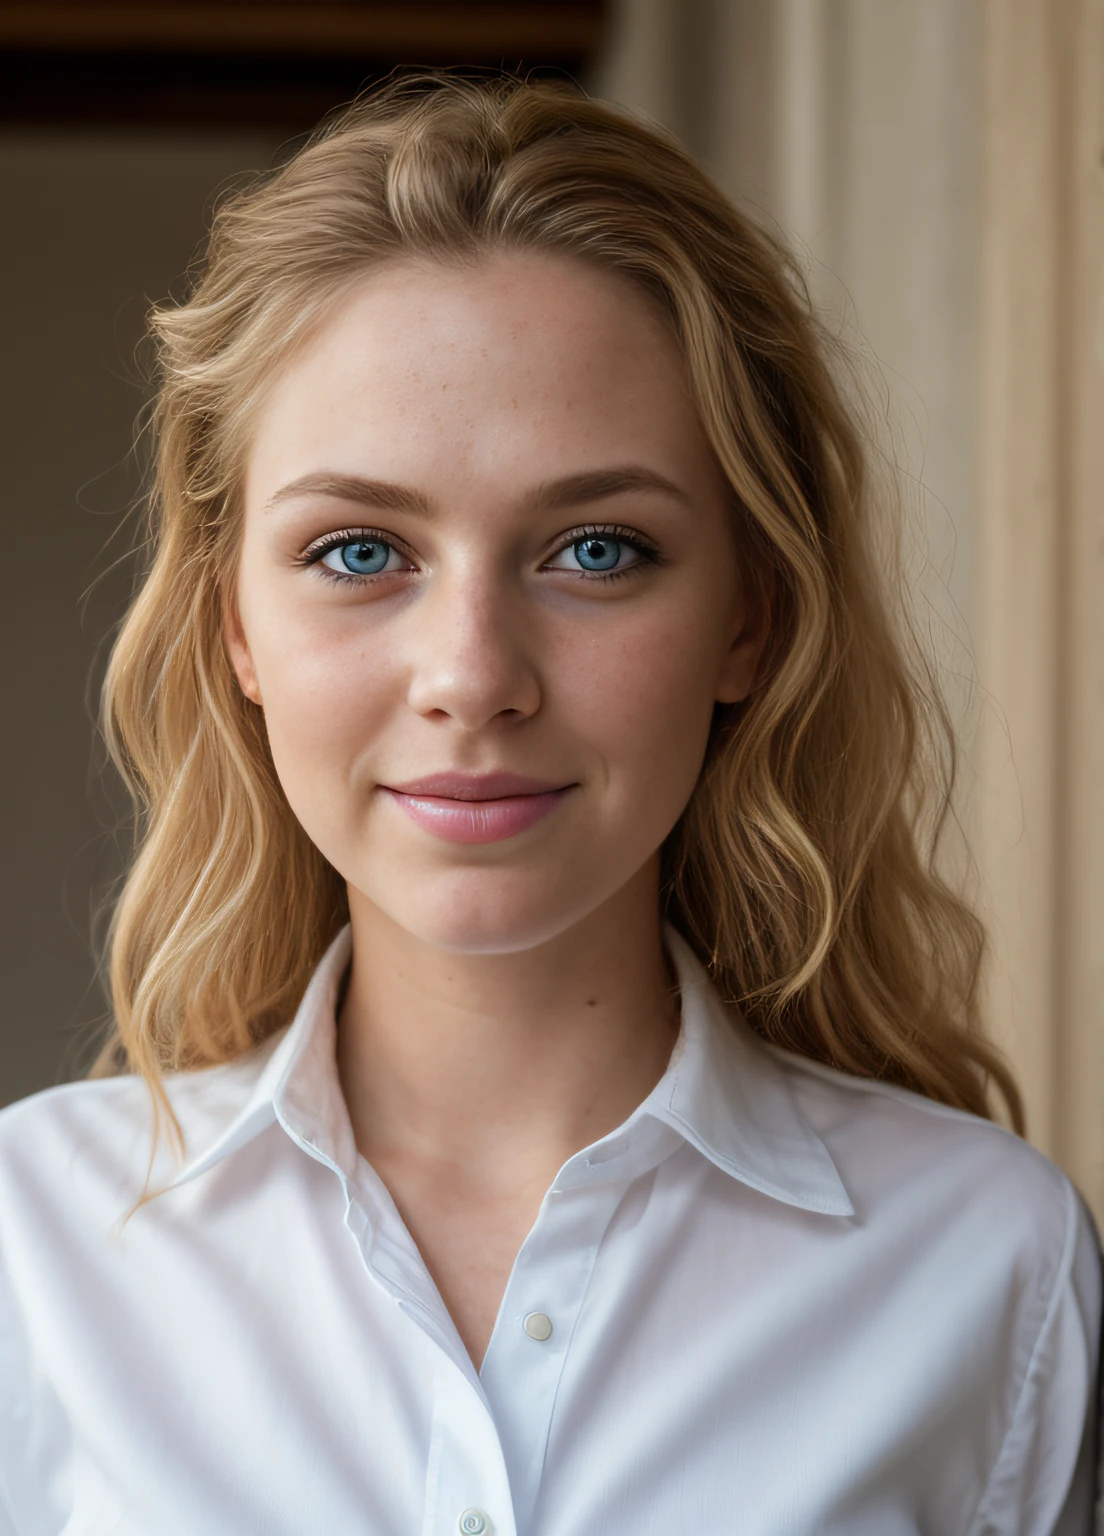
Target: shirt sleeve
<point x="1044" y="1480"/>
<point x="12" y="1372"/>
<point x="31" y="1424"/>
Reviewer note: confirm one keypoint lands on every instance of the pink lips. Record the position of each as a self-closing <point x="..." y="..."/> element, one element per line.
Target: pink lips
<point x="476" y="808"/>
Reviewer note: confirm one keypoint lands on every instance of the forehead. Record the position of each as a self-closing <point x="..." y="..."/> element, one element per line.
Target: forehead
<point x="510" y="365"/>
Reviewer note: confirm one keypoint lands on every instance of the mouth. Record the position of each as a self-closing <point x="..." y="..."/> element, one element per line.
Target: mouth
<point x="476" y="808"/>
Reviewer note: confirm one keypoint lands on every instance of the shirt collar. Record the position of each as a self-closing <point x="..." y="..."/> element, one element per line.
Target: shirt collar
<point x="724" y="1092"/>
<point x="729" y="1096"/>
<point x="294" y="1081"/>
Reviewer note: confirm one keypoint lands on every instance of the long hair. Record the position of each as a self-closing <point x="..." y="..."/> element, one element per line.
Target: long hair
<point x="803" y="870"/>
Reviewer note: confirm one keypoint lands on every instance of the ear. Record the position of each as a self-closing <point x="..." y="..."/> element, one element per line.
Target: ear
<point x="740" y="663"/>
<point x="237" y="648"/>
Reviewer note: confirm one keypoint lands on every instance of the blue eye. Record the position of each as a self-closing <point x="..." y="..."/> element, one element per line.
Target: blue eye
<point x="360" y="557"/>
<point x="604" y="552"/>
<point x="596" y="553"/>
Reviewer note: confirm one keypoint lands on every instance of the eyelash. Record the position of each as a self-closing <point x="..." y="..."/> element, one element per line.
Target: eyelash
<point x="648" y="551"/>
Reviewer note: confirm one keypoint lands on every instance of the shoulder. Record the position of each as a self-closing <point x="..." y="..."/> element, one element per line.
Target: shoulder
<point x="971" y="1211"/>
<point x="43" y="1135"/>
<point x="942" y="1170"/>
<point x="98" y="1138"/>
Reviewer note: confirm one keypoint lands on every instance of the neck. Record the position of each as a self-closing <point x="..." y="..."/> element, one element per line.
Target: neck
<point x="504" y="1065"/>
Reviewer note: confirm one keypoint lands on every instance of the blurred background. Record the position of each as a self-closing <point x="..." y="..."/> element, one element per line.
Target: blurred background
<point x="939" y="166"/>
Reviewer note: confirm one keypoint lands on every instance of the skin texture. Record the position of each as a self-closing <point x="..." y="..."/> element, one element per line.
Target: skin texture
<point x="508" y="1001"/>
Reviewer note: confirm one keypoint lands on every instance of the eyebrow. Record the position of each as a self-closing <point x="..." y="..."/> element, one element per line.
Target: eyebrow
<point x="552" y="496"/>
<point x="384" y="494"/>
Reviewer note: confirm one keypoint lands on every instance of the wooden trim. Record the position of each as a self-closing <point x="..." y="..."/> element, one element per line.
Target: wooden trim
<point x="277" y="64"/>
<point x="433" y="29"/>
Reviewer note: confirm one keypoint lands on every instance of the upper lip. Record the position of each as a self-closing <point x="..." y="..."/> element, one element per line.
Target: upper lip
<point x="475" y="786"/>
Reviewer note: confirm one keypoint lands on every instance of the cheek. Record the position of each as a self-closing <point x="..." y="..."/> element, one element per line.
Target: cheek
<point x="327" y="689"/>
<point x="644" y="698"/>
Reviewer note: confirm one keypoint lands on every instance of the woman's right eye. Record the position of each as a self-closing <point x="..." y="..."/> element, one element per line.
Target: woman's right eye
<point x="363" y="557"/>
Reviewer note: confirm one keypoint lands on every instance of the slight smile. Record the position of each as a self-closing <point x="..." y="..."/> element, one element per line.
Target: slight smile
<point x="476" y="808"/>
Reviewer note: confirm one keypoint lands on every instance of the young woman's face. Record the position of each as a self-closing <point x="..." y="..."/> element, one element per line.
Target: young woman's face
<point x="488" y="594"/>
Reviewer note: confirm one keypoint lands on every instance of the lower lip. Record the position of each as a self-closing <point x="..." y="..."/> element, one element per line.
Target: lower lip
<point x="477" y="821"/>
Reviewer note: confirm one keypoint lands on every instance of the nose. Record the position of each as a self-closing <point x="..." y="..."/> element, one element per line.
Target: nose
<point x="472" y="653"/>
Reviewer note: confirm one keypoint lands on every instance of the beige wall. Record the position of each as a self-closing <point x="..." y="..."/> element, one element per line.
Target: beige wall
<point x="1040" y="537"/>
<point x="93" y="225"/>
<point x="854" y="125"/>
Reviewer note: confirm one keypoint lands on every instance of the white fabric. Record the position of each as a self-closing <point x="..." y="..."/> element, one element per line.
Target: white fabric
<point x="783" y="1302"/>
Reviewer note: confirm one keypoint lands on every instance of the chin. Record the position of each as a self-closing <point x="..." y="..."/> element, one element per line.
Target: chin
<point x="488" y="912"/>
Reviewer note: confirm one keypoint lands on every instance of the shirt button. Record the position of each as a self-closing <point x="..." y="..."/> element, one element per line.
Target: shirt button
<point x="538" y="1326"/>
<point x="473" y="1522"/>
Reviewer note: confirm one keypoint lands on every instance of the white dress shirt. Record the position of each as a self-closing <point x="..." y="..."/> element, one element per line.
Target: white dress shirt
<point x="776" y="1301"/>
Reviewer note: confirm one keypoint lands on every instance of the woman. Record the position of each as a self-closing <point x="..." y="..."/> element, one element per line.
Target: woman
<point x="569" y="1117"/>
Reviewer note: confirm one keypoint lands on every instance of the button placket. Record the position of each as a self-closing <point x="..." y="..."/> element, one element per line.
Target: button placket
<point x="525" y="1360"/>
<point x="551" y="1278"/>
<point x="466" y="1473"/>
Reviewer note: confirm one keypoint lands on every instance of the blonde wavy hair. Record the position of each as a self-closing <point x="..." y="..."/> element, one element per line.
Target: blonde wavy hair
<point x="803" y="869"/>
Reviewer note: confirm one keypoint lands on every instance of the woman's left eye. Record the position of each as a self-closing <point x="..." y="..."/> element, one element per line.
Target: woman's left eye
<point x="365" y="556"/>
<point x="598" y="554"/>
